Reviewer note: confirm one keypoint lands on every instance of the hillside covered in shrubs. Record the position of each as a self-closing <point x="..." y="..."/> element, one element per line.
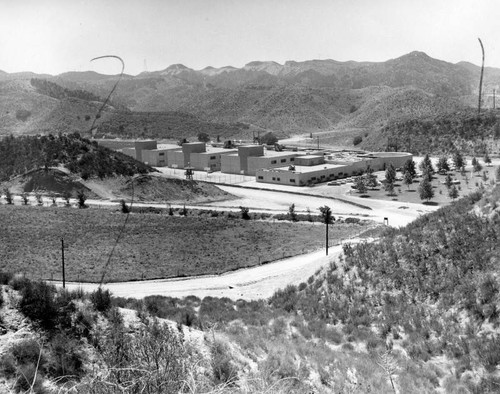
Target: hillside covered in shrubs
<point x="79" y="155"/>
<point x="464" y="131"/>
<point x="415" y="312"/>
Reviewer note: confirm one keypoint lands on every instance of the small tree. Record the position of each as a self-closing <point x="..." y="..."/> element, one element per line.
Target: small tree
<point x="124" y="207"/>
<point x="448" y="181"/>
<point x="370" y="179"/>
<point x="39" y="199"/>
<point x="425" y="190"/>
<point x="409" y="167"/>
<point x="81" y="197"/>
<point x="442" y="165"/>
<point x="25" y="198"/>
<point x="485" y="177"/>
<point x="407" y="179"/>
<point x="291" y="213"/>
<point x="458" y="161"/>
<point x="67" y="197"/>
<point x="327" y="217"/>
<point x="268" y="139"/>
<point x="360" y="185"/>
<point x="244" y="213"/>
<point x="203" y="137"/>
<point x="453" y="192"/>
<point x="8" y="196"/>
<point x="389" y="188"/>
<point x="390" y="174"/>
<point x="426" y="165"/>
<point x="487" y="159"/>
<point x="476" y="165"/>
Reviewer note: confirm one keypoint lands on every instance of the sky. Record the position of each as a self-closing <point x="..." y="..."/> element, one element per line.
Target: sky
<point x="55" y="36"/>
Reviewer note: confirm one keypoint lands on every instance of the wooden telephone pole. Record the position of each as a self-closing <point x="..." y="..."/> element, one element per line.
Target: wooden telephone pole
<point x="63" y="271"/>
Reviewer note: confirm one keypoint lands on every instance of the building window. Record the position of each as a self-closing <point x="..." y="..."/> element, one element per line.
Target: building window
<point x="313" y="178"/>
<point x="213" y="157"/>
<point x="274" y="178"/>
<point x="273" y="161"/>
<point x="292" y="180"/>
<point x="278" y="179"/>
<point x="162" y="153"/>
<point x="283" y="160"/>
<point x="260" y="177"/>
<point x="322" y="177"/>
<point x="292" y="158"/>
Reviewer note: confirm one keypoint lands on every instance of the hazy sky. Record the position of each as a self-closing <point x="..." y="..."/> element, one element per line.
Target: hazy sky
<point x="54" y="36"/>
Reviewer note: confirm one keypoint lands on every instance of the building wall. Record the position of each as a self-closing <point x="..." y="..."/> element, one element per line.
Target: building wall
<point x="211" y="160"/>
<point x="156" y="157"/>
<point x="230" y="164"/>
<point x="142" y="145"/>
<point x="309" y="160"/>
<point x="246" y="151"/>
<point x="190" y="148"/>
<point x="175" y="158"/>
<point x="256" y="163"/>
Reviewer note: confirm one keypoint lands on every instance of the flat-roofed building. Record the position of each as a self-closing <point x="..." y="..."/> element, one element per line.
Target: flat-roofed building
<point x="209" y="160"/>
<point x="158" y="157"/>
<point x="270" y="159"/>
<point x="300" y="175"/>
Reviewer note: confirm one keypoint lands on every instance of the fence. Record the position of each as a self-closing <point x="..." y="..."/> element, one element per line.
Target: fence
<point x="230" y="179"/>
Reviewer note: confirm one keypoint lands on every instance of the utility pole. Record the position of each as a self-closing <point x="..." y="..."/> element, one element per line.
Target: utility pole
<point x="62" y="254"/>
<point x="317" y="137"/>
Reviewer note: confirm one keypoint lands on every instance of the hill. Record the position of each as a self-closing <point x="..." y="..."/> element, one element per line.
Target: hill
<point x="78" y="155"/>
<point x="443" y="132"/>
<point x="295" y="97"/>
<point x="415" y="312"/>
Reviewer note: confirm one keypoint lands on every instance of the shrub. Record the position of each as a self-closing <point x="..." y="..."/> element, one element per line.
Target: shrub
<point x="23" y="114"/>
<point x="101" y="299"/>
<point x="5" y="277"/>
<point x="124" y="207"/>
<point x="357" y="140"/>
<point x="38" y="303"/>
<point x="9" y="198"/>
<point x="285" y="298"/>
<point x="81" y="197"/>
<point x="223" y="368"/>
<point x="244" y="213"/>
<point x="67" y="360"/>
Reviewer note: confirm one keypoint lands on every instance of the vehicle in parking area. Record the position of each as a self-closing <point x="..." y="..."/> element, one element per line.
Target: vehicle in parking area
<point x="334" y="183"/>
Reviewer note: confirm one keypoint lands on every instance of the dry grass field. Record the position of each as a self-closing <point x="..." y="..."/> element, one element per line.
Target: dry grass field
<point x="152" y="245"/>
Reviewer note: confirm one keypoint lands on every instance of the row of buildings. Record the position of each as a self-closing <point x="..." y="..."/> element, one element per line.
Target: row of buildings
<point x="297" y="168"/>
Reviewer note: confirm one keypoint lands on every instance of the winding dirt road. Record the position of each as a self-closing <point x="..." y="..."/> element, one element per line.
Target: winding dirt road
<point x="249" y="284"/>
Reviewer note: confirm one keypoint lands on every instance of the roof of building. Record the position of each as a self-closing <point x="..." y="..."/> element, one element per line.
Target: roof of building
<point x="164" y="147"/>
<point x="305" y="169"/>
<point x="272" y="153"/>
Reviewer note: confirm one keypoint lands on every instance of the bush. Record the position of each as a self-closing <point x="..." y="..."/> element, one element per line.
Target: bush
<point x="357" y="140"/>
<point x="81" y="197"/>
<point x="66" y="358"/>
<point x="223" y="367"/>
<point x="23" y="114"/>
<point x="124" y="207"/>
<point x="38" y="303"/>
<point x="101" y="299"/>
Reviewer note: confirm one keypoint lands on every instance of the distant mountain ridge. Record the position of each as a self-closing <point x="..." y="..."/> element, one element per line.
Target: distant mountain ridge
<point x="290" y="98"/>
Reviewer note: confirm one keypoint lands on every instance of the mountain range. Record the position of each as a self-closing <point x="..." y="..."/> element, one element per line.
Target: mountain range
<point x="229" y="102"/>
